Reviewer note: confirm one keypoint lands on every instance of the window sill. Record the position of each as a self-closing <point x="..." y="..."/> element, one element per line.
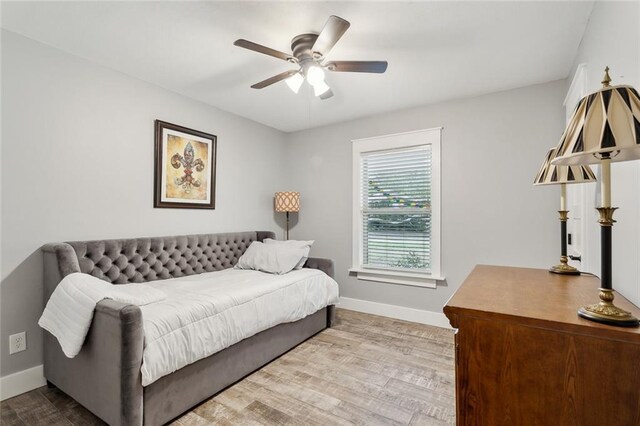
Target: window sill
<point x="397" y="277"/>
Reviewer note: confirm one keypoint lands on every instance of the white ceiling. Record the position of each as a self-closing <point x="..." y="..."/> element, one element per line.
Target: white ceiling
<point x="436" y="50"/>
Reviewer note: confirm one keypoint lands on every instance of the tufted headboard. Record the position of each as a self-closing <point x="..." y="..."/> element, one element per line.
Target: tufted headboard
<point x="138" y="260"/>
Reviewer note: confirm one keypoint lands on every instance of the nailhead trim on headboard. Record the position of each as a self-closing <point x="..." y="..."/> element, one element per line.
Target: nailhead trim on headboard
<point x="148" y="259"/>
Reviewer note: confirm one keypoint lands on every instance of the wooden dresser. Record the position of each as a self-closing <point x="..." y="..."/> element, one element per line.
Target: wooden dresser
<point x="524" y="357"/>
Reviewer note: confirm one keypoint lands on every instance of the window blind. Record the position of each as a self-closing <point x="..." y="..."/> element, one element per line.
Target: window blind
<point x="396" y="209"/>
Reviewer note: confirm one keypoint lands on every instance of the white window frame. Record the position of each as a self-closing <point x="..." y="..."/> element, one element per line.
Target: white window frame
<point x="384" y="143"/>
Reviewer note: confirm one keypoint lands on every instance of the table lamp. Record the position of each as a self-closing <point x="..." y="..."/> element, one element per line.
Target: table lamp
<point x="562" y="175"/>
<point x="287" y="202"/>
<point x="604" y="128"/>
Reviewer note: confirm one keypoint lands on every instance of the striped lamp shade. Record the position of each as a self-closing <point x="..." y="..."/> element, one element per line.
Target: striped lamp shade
<point x="553" y="175"/>
<point x="287" y="201"/>
<point x="605" y="122"/>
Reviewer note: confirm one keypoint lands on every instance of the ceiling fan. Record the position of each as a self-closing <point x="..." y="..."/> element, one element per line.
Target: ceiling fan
<point x="309" y="52"/>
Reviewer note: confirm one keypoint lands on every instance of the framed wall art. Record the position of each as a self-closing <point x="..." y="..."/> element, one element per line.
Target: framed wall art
<point x="185" y="167"/>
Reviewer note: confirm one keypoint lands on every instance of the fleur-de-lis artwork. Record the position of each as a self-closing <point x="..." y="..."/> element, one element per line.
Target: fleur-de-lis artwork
<point x="189" y="163"/>
<point x="185" y="167"/>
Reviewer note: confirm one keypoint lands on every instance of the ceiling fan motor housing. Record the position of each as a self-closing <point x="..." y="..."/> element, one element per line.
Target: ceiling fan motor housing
<point x="302" y="45"/>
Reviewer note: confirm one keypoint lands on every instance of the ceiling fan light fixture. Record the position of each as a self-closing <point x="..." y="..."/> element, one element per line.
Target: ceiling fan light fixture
<point x="294" y="82"/>
<point x="315" y="75"/>
<point x="320" y="88"/>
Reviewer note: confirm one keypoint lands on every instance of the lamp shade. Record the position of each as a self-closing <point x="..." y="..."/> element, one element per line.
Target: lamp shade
<point x="287" y="201"/>
<point x="605" y="124"/>
<point x="553" y="175"/>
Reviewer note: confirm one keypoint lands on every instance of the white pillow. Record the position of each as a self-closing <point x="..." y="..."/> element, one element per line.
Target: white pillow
<point x="272" y="258"/>
<point x="306" y="245"/>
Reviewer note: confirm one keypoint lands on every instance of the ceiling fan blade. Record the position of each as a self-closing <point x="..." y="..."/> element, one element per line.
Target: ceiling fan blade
<point x="357" y="66"/>
<point x="330" y="34"/>
<point x="263" y="49"/>
<point x="274" y="79"/>
<point x="326" y="95"/>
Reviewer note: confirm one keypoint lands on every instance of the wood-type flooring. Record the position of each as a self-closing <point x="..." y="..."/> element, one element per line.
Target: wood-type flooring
<point x="366" y="370"/>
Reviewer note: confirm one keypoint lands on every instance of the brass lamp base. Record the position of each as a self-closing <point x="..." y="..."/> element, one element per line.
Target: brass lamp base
<point x="564" y="268"/>
<point x="607" y="313"/>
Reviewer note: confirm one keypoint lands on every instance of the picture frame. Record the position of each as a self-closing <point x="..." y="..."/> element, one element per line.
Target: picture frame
<point x="185" y="167"/>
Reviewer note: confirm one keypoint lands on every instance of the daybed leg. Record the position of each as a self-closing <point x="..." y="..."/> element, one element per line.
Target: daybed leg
<point x="331" y="315"/>
<point x="50" y="385"/>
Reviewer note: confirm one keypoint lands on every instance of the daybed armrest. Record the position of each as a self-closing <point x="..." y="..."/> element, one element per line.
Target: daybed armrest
<point x="325" y="265"/>
<point x="65" y="256"/>
<point x="105" y="375"/>
<point x="328" y="267"/>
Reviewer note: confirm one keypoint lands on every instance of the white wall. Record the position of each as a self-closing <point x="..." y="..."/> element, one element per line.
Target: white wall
<point x="77" y="163"/>
<point x="492" y="147"/>
<point x="612" y="38"/>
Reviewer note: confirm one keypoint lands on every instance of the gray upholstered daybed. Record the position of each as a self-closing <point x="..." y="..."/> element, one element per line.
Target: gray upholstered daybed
<point x="105" y="376"/>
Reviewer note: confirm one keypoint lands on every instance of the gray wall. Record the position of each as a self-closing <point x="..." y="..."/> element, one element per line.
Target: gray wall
<point x="492" y="148"/>
<point x="77" y="163"/>
<point x="612" y="38"/>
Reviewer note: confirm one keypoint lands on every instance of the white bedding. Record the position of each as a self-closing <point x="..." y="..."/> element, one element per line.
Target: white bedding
<point x="69" y="311"/>
<point x="205" y="313"/>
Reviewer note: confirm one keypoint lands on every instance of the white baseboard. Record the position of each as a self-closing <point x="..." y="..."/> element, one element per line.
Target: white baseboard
<point x="21" y="382"/>
<point x="437" y="319"/>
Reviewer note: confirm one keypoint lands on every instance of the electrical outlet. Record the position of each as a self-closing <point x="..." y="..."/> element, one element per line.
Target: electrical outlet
<point x="17" y="342"/>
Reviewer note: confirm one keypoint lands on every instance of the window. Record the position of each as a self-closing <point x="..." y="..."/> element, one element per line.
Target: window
<point x="396" y="221"/>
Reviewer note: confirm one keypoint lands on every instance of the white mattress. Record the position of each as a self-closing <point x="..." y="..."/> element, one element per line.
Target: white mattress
<point x="206" y="313"/>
